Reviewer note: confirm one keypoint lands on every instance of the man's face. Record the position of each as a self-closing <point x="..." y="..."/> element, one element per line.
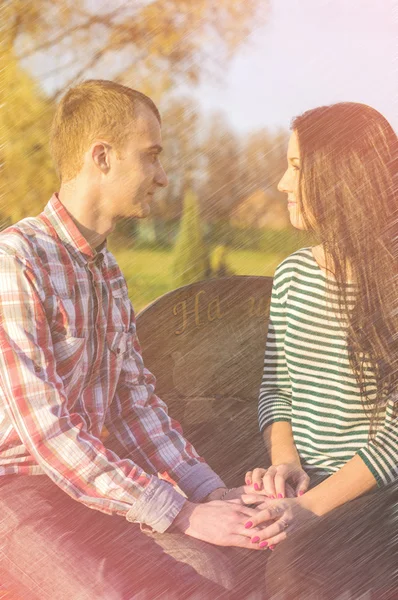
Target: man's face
<point x="134" y="177"/>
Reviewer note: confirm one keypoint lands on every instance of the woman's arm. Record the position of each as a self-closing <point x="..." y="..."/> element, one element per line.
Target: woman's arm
<point x="278" y="439"/>
<point x="375" y="464"/>
<point x="351" y="481"/>
<point x="275" y="398"/>
<point x="275" y="404"/>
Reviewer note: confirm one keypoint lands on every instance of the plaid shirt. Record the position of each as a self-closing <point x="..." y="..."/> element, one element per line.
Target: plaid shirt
<point x="70" y="364"/>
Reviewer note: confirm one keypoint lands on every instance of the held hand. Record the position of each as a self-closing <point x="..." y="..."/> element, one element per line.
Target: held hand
<point x="217" y="522"/>
<point x="235" y="494"/>
<point x="277" y="520"/>
<point x="279" y="481"/>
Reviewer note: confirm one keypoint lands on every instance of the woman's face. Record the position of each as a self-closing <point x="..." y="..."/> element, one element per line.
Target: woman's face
<point x="289" y="184"/>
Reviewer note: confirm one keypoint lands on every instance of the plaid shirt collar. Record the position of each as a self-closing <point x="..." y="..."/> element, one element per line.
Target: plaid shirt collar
<point x="69" y="234"/>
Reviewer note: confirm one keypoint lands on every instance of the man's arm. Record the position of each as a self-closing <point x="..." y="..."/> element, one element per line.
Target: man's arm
<point x="139" y="419"/>
<point x="36" y="403"/>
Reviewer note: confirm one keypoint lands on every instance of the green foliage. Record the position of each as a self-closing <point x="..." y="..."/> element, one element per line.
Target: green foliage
<point x="190" y="262"/>
<point x="148" y="272"/>
<point x="169" y="42"/>
<point x="27" y="175"/>
<point x="259" y="240"/>
<point x="219" y="266"/>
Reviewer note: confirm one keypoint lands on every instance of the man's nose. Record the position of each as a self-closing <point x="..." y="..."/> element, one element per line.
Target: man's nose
<point x="161" y="177"/>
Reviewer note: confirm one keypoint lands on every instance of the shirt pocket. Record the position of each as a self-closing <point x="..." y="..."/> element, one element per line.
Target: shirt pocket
<point x="69" y="353"/>
<point x="120" y="304"/>
<point x="118" y="342"/>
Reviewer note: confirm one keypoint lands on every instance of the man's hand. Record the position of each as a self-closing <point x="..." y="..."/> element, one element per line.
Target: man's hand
<point x="235" y="494"/>
<point x="218" y="522"/>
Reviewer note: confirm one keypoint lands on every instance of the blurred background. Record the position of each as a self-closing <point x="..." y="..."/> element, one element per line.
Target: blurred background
<point x="228" y="76"/>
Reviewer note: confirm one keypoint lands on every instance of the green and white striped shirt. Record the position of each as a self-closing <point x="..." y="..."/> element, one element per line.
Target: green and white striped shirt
<point x="308" y="380"/>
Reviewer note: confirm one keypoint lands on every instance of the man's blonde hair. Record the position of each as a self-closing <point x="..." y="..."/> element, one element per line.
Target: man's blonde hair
<point x="94" y="109"/>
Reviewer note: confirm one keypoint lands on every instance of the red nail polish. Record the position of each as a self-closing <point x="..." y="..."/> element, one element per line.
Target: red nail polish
<point x="248" y="525"/>
<point x="256" y="487"/>
<point x="272" y="497"/>
<point x="270" y="547"/>
<point x="280" y="496"/>
<point x="255" y="539"/>
<point x="263" y="544"/>
<point x="248" y="482"/>
<point x="301" y="492"/>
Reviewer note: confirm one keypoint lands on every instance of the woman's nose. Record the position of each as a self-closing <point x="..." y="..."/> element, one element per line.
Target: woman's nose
<point x="282" y="185"/>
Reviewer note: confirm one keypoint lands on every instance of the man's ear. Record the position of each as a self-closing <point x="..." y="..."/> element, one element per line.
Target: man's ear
<point x="100" y="153"/>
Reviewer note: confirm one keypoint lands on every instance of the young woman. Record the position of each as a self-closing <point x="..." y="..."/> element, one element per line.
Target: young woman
<point x="328" y="405"/>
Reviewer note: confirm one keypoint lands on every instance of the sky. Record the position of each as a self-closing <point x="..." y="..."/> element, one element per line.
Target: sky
<point x="310" y="53"/>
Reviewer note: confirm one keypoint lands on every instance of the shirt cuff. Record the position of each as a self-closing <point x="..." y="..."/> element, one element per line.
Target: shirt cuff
<point x="199" y="482"/>
<point x="157" y="506"/>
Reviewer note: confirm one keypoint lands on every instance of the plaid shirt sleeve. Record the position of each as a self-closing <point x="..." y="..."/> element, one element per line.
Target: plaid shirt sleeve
<point x="138" y="419"/>
<point x="56" y="438"/>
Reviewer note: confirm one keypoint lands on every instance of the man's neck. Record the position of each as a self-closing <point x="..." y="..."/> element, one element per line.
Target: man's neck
<point x="84" y="211"/>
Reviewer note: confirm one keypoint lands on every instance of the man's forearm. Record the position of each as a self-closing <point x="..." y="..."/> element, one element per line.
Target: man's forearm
<point x="216" y="494"/>
<point x="278" y="438"/>
<point x="350" y="482"/>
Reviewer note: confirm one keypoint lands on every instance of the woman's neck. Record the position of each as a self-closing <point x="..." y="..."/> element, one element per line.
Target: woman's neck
<point x="319" y="255"/>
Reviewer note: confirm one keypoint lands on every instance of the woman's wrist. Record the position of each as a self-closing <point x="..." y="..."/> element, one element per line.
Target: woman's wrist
<point x="310" y="502"/>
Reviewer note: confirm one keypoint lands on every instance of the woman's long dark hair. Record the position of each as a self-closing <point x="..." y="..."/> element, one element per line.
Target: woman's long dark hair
<point x="348" y="188"/>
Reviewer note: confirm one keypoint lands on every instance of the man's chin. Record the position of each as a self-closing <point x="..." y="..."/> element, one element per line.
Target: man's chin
<point x="140" y="212"/>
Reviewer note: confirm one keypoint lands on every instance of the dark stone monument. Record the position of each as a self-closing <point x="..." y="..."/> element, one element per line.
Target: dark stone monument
<point x="205" y="344"/>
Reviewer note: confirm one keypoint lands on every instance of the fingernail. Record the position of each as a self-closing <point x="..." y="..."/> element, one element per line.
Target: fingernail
<point x="301" y="492"/>
<point x="255" y="539"/>
<point x="280" y="496"/>
<point x="248" y="482"/>
<point x="248" y="525"/>
<point x="271" y="547"/>
<point x="272" y="497"/>
<point x="256" y="487"/>
<point x="263" y="544"/>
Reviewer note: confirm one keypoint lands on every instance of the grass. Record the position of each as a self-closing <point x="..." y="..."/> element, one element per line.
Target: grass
<point x="147" y="272"/>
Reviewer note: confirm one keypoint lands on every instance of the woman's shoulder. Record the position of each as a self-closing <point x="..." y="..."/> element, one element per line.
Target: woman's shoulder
<point x="298" y="260"/>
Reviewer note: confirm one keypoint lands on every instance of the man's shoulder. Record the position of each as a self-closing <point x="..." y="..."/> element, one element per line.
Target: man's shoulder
<point x="25" y="239"/>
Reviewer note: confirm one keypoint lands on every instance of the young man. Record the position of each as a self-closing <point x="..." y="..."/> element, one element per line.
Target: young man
<point x="70" y="365"/>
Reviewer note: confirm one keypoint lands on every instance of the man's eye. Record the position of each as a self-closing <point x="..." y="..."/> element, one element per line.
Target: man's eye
<point x="296" y="168"/>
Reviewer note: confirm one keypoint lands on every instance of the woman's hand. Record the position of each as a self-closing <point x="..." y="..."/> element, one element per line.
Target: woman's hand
<point x="277" y="520"/>
<point x="286" y="480"/>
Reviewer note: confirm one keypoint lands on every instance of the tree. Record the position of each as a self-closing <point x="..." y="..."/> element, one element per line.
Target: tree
<point x="27" y="176"/>
<point x="153" y="44"/>
<point x="190" y="261"/>
<point x="222" y="190"/>
<point x="260" y="210"/>
<point x="181" y="124"/>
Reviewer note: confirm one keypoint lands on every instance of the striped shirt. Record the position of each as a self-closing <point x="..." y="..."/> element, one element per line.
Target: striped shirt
<point x="70" y="364"/>
<point x="308" y="380"/>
